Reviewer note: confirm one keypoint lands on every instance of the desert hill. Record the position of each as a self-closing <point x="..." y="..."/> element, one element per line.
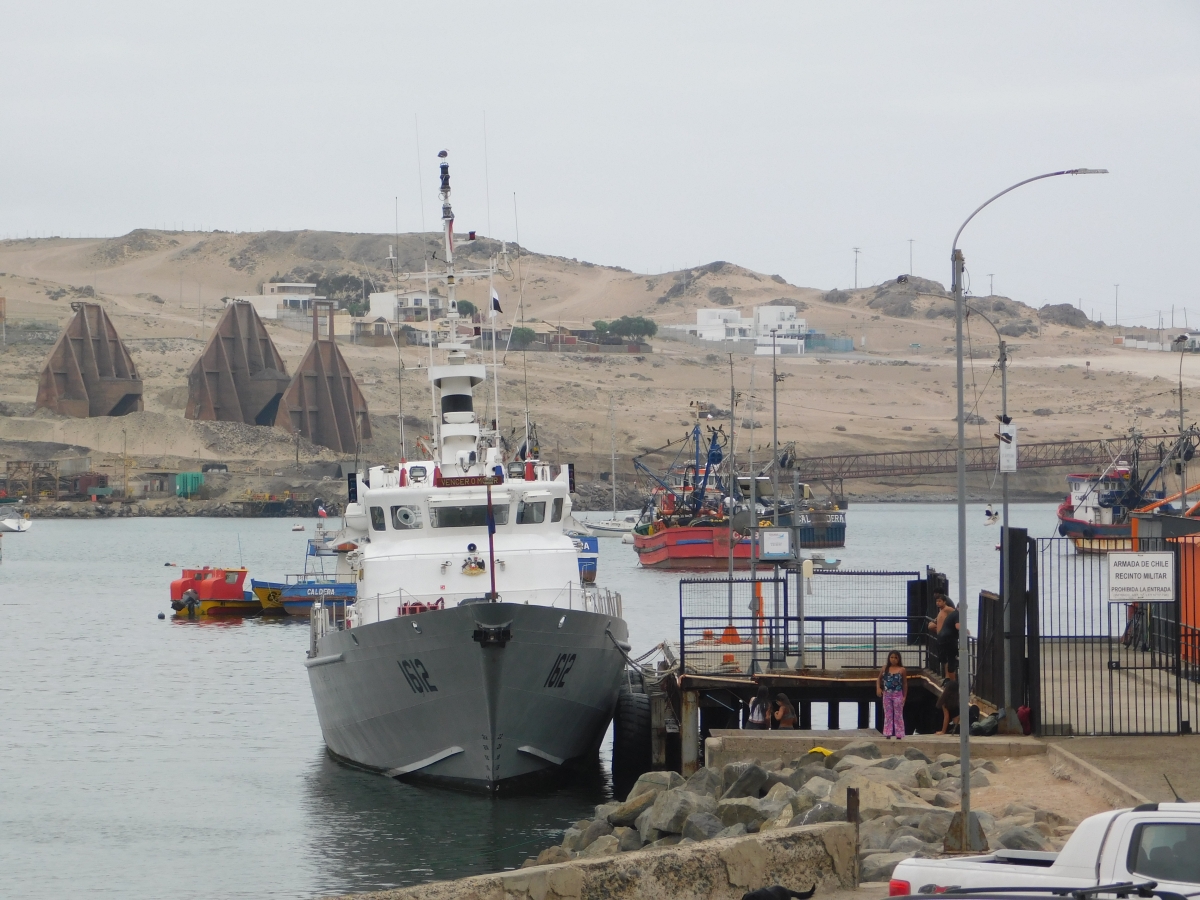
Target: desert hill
<point x="896" y="391"/>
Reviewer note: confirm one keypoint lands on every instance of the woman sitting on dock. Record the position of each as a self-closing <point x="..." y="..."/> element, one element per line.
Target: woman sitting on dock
<point x="892" y="686"/>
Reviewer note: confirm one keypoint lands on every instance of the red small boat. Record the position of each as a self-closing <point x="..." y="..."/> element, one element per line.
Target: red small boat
<point x="212" y="591"/>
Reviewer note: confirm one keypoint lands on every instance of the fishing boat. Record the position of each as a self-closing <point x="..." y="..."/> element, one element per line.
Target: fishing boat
<point x="473" y="653"/>
<point x="297" y="527"/>
<point x="320" y="580"/>
<point x="270" y="596"/>
<point x="1097" y="513"/>
<point x="693" y="517"/>
<point x="212" y="591"/>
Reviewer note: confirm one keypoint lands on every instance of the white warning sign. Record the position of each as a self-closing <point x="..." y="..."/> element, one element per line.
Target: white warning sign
<point x="1141" y="577"/>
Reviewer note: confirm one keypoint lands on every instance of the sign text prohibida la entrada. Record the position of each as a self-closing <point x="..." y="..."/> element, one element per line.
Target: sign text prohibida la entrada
<point x="1141" y="577"/>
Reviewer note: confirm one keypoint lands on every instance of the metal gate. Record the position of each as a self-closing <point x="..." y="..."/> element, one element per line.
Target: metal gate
<point x="1111" y="668"/>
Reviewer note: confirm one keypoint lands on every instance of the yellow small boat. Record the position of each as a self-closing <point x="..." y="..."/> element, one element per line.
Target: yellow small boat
<point x="270" y="597"/>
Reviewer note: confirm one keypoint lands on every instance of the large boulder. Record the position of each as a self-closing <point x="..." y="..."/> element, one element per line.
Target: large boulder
<point x="597" y="829"/>
<point x="865" y="749"/>
<point x="877" y="834"/>
<point x="917" y="754"/>
<point x="874" y="799"/>
<point x="605" y="845"/>
<point x="604" y="809"/>
<point x="1023" y="837"/>
<point x="933" y="825"/>
<point x="818" y="787"/>
<point x="572" y="835"/>
<point x="732" y="831"/>
<point x="706" y="781"/>
<point x="655" y="781"/>
<point x="647" y="834"/>
<point x="879" y="866"/>
<point x="910" y="843"/>
<point x="553" y="855"/>
<point x="852" y="762"/>
<point x="672" y="808"/>
<point x="627" y="839"/>
<point x="627" y="813"/>
<point x="822" y="812"/>
<point x="701" y="826"/>
<point x="747" y="784"/>
<point x="746" y="810"/>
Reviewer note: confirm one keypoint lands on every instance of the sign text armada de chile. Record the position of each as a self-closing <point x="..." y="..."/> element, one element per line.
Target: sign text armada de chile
<point x="1141" y="577"/>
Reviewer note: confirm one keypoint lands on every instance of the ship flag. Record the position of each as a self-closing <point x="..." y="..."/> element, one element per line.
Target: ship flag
<point x="495" y="303"/>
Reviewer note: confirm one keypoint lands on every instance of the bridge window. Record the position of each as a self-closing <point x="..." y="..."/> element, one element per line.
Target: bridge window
<point x="377" y="520"/>
<point x="556" y="513"/>
<point x="474" y="516"/>
<point x="531" y="513"/>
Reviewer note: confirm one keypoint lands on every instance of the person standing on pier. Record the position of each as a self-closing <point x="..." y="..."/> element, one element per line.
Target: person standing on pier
<point x="892" y="686"/>
<point x="785" y="714"/>
<point x="760" y="709"/>
<point x="945" y="630"/>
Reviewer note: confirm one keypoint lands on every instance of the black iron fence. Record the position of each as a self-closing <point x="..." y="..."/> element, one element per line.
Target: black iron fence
<point x="1111" y="667"/>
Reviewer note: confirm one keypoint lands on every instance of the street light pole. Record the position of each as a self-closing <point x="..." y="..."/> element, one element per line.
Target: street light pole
<point x="968" y="830"/>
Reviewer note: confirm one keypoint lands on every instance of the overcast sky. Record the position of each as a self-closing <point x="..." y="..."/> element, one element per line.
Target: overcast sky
<point x="649" y="136"/>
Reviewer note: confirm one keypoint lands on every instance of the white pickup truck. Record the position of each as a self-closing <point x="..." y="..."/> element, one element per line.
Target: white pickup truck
<point x="1153" y="842"/>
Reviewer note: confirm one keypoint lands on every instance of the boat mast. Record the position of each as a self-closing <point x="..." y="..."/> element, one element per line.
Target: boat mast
<point x="612" y="424"/>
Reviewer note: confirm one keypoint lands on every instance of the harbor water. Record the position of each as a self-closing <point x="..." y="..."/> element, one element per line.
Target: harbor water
<point x="142" y="758"/>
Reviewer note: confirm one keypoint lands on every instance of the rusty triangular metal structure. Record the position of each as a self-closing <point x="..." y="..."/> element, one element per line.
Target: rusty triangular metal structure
<point x="323" y="402"/>
<point x="90" y="372"/>
<point x="240" y="376"/>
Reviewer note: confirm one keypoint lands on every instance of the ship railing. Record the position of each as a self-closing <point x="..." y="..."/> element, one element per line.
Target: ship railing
<point x="320" y="623"/>
<point x="602" y="602"/>
<point x="379" y="601"/>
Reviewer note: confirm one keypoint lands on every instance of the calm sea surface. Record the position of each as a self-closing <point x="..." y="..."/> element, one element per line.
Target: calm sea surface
<point x="143" y="759"/>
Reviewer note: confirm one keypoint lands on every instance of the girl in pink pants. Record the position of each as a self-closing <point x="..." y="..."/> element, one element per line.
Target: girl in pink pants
<point x="892" y="686"/>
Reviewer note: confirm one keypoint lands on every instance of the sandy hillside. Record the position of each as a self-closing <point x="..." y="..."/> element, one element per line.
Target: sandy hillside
<point x="163" y="289"/>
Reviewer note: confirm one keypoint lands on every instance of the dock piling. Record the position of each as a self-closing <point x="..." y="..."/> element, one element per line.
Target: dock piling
<point x="690" y="734"/>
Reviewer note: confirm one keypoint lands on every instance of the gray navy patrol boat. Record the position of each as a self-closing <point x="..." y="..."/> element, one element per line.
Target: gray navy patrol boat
<point x="473" y="653"/>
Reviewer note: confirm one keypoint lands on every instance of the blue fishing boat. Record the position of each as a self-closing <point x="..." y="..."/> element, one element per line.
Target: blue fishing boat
<point x="320" y="580"/>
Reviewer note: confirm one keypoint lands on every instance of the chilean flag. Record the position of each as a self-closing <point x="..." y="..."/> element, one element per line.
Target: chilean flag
<point x="495" y="303"/>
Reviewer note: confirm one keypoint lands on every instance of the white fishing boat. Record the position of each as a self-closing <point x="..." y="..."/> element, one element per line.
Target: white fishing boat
<point x="11" y="523"/>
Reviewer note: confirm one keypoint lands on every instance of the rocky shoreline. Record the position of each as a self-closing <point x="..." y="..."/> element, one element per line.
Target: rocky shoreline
<point x="178" y="508"/>
<point x="906" y="805"/>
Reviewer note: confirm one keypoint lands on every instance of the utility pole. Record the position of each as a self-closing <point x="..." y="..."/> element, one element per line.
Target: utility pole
<point x="910" y="243"/>
<point x="1116" y="304"/>
<point x="991" y="284"/>
<point x="856" y="252"/>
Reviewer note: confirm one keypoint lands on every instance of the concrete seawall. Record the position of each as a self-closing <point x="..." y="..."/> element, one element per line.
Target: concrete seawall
<point x="712" y="870"/>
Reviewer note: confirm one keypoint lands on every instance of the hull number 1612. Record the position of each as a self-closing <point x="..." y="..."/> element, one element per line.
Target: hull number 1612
<point x="558" y="672"/>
